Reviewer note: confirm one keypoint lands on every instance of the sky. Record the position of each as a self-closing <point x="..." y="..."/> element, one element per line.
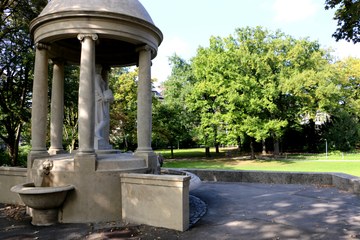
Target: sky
<point x="188" y="24"/>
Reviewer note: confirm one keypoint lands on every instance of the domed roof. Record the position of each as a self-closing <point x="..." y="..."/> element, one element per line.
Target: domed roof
<point x="132" y="8"/>
<point x="122" y="26"/>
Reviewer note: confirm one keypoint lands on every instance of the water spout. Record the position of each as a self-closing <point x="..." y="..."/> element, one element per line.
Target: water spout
<point x="42" y="172"/>
<point x="47" y="167"/>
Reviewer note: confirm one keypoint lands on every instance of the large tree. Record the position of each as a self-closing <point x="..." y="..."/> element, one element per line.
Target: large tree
<point x="177" y="122"/>
<point x="237" y="85"/>
<point x="343" y="131"/>
<point x="16" y="69"/>
<point x="258" y="83"/>
<point x="348" y="16"/>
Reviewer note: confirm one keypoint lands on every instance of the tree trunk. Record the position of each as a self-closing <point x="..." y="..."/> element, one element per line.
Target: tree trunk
<point x="252" y="149"/>
<point x="217" y="148"/>
<point x="263" y="147"/>
<point x="207" y="152"/>
<point x="276" y="147"/>
<point x="13" y="146"/>
<point x="172" y="150"/>
<point x="239" y="143"/>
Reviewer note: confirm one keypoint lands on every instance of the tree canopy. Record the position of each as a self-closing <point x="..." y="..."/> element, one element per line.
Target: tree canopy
<point x="16" y="69"/>
<point x="262" y="85"/>
<point x="348" y="16"/>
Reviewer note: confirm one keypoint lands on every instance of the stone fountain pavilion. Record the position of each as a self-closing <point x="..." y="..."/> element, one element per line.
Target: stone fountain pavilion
<point x="109" y="186"/>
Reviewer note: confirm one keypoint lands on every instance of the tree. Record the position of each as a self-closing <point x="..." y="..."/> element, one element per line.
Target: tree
<point x="348" y="17"/>
<point x="343" y="131"/>
<point x="237" y="88"/>
<point x="311" y="82"/>
<point x="16" y="70"/>
<point x="259" y="83"/>
<point x="208" y="98"/>
<point x="71" y="84"/>
<point x="123" y="83"/>
<point x="167" y="124"/>
<point x="178" y="122"/>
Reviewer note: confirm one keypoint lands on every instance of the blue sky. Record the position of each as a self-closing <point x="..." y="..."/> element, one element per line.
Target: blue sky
<point x="188" y="24"/>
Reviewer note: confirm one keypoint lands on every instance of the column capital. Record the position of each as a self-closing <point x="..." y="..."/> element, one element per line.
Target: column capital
<point x="82" y="36"/>
<point x="145" y="48"/>
<point x="42" y="46"/>
<point x="57" y="60"/>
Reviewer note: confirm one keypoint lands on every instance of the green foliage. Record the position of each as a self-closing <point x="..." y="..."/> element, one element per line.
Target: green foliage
<point x="70" y="129"/>
<point x="348" y="17"/>
<point x="344" y="131"/>
<point x="16" y="70"/>
<point x="246" y="84"/>
<point x="173" y="121"/>
<point x="123" y="110"/>
<point x="262" y="84"/>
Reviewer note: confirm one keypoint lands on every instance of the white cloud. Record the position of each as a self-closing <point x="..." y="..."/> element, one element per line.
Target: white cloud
<point x="161" y="68"/>
<point x="294" y="10"/>
<point x="345" y="49"/>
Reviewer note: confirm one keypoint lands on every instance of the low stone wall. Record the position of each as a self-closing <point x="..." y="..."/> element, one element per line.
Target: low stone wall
<point x="156" y="200"/>
<point x="339" y="180"/>
<point x="9" y="177"/>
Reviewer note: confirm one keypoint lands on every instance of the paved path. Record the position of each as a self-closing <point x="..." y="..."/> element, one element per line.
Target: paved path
<point x="240" y="211"/>
<point x="263" y="211"/>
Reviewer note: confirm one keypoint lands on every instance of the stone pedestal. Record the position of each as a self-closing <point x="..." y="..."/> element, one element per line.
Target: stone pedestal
<point x="156" y="200"/>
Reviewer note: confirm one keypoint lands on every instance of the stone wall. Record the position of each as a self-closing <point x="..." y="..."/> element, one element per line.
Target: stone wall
<point x="10" y="176"/>
<point x="341" y="181"/>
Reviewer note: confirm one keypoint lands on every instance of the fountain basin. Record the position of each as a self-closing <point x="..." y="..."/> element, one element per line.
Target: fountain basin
<point x="44" y="201"/>
<point x="195" y="181"/>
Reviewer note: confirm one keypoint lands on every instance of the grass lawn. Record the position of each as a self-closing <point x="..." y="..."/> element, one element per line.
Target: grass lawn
<point x="335" y="162"/>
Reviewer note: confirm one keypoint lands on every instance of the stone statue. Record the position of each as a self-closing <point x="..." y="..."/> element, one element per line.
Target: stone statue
<point x="103" y="98"/>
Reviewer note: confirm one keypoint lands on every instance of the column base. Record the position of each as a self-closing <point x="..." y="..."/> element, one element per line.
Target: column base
<point x="85" y="162"/>
<point x="151" y="160"/>
<point x="56" y="151"/>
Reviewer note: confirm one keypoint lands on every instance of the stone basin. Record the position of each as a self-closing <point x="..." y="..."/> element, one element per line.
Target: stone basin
<point x="43" y="201"/>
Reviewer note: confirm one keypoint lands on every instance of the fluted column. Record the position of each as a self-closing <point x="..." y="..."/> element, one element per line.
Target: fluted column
<point x="39" y="109"/>
<point x="87" y="94"/>
<point x="144" y="101"/>
<point x="57" y="108"/>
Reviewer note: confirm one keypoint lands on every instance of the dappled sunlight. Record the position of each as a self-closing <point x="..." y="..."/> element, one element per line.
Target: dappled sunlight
<point x="243" y="224"/>
<point x="282" y="204"/>
<point x="261" y="211"/>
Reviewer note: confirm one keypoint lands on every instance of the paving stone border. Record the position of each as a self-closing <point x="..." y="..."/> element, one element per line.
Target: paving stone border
<point x="341" y="181"/>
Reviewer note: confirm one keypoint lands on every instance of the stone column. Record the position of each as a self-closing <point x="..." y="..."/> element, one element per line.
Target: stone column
<point x="144" y="101"/>
<point x="144" y="110"/>
<point x="87" y="94"/>
<point x="39" y="109"/>
<point x="57" y="108"/>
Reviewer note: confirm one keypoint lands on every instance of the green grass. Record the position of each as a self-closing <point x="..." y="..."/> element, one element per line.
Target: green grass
<point x="334" y="162"/>
<point x="187" y="153"/>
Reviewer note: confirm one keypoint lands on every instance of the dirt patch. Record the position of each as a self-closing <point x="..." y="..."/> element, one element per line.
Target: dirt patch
<point x="134" y="233"/>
